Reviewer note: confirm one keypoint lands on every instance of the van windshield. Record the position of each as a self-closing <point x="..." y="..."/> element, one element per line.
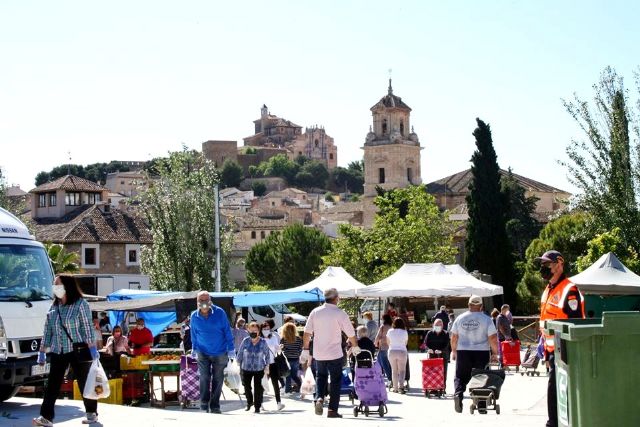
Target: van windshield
<point x="25" y="273"/>
<point x="281" y="308"/>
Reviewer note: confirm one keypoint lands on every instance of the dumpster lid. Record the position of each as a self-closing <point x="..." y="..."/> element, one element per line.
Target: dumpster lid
<point x="611" y="323"/>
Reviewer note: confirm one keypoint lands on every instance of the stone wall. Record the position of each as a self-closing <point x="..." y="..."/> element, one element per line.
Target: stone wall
<point x="219" y="151"/>
<point x="112" y="259"/>
<point x="396" y="159"/>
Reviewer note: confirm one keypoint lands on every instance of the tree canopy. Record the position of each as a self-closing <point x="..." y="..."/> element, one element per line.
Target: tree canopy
<point x="408" y="228"/>
<point x="180" y="209"/>
<point x="231" y="174"/>
<point x="96" y="172"/>
<point x="288" y="258"/>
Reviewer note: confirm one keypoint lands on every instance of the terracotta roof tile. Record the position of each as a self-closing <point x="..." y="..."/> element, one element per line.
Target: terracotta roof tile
<point x="69" y="183"/>
<point x="459" y="183"/>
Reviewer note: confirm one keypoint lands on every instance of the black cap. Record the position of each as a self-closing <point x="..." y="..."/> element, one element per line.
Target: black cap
<point x="550" y="256"/>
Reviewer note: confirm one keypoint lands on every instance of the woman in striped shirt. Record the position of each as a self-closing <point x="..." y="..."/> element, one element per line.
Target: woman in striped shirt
<point x="291" y="347"/>
<point x="68" y="322"/>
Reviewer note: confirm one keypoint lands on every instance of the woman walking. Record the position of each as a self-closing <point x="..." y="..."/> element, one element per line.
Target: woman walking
<point x="69" y="335"/>
<point x="397" y="339"/>
<point x="253" y="358"/>
<point x="273" y="340"/>
<point x="383" y="346"/>
<point x="291" y="347"/>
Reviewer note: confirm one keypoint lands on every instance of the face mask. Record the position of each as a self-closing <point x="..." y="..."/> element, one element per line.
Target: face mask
<point x="59" y="291"/>
<point x="253" y="334"/>
<point x="140" y="327"/>
<point x="545" y="272"/>
<point x="437" y="329"/>
<point x="266" y="332"/>
<point x="203" y="305"/>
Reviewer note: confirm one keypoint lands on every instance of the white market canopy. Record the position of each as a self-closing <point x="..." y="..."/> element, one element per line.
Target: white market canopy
<point x="608" y="276"/>
<point x="333" y="277"/>
<point x="429" y="280"/>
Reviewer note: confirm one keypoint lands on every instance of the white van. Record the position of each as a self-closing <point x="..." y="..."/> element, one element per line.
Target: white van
<point x="26" y="279"/>
<point x="277" y="312"/>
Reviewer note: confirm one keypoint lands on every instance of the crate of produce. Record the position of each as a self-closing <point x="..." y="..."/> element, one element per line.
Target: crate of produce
<point x="165" y="367"/>
<point x="134" y="363"/>
<point x="134" y="385"/>
<point x="115" y="397"/>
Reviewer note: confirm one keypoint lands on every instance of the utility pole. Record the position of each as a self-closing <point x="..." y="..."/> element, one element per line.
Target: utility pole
<point x="217" y="238"/>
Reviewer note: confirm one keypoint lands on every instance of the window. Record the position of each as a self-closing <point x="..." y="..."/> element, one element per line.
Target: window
<point x="253" y="234"/>
<point x="53" y="199"/>
<point x="122" y="182"/>
<point x="132" y="253"/>
<point x="262" y="236"/>
<point x="384" y="126"/>
<point x="273" y="203"/>
<point x="409" y="175"/>
<point x="381" y="175"/>
<point x="94" y="198"/>
<point x="401" y="127"/>
<point x="316" y="143"/>
<point x="299" y="153"/>
<point x="331" y="156"/>
<point x="42" y="200"/>
<point x="72" y="199"/>
<point x="90" y="255"/>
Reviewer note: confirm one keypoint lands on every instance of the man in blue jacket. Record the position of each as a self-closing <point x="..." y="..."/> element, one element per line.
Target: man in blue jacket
<point x="212" y="345"/>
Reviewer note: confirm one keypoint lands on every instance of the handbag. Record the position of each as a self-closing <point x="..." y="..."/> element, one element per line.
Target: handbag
<point x="281" y="361"/>
<point x="80" y="349"/>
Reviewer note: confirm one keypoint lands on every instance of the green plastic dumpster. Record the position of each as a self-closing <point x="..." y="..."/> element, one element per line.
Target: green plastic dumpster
<point x="598" y="369"/>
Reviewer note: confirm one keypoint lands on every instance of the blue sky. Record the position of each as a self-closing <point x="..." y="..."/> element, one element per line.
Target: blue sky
<point x="133" y="80"/>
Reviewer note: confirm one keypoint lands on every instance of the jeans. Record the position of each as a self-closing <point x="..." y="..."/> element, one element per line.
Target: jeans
<point x="274" y="375"/>
<point x="398" y="360"/>
<point x="211" y="371"/>
<point x="384" y="361"/>
<point x="59" y="364"/>
<point x="293" y="375"/>
<point x="255" y="398"/>
<point x="329" y="369"/>
<point x="466" y="360"/>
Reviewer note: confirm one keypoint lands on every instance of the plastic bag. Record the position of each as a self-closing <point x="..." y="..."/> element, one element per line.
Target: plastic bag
<point x="308" y="383"/>
<point x="265" y="383"/>
<point x="97" y="385"/>
<point x="232" y="376"/>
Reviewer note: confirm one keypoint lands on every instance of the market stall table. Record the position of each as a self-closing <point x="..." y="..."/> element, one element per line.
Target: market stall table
<point x="164" y="369"/>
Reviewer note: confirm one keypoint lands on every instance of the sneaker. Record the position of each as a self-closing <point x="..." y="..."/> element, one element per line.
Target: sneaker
<point x="262" y="408"/>
<point x="457" y="402"/>
<point x="257" y="411"/>
<point x="92" y="417"/>
<point x="280" y="406"/>
<point x="319" y="406"/>
<point x="216" y="411"/>
<point x="333" y="414"/>
<point x="403" y="391"/>
<point x="41" y="421"/>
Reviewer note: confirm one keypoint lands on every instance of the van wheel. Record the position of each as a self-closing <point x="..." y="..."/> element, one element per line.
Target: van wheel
<point x="7" y="392"/>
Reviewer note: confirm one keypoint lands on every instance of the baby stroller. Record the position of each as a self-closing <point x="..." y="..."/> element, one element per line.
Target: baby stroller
<point x="484" y="389"/>
<point x="530" y="361"/>
<point x="346" y="385"/>
<point x="369" y="386"/>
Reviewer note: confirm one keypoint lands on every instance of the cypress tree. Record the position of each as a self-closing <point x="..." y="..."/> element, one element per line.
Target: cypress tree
<point x="487" y="248"/>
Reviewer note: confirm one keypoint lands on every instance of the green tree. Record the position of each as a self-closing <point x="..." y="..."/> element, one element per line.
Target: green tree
<point x="287" y="258"/>
<point x="280" y="166"/>
<point x="96" y="172"/>
<point x="312" y="174"/>
<point x="604" y="166"/>
<point x="566" y="234"/>
<point x="521" y="226"/>
<point x="16" y="206"/>
<point x="408" y="228"/>
<point x="259" y="188"/>
<point x="350" y="178"/>
<point x="487" y="246"/>
<point x="609" y="242"/>
<point x="4" y="200"/>
<point x="231" y="174"/>
<point x="180" y="209"/>
<point x="62" y="261"/>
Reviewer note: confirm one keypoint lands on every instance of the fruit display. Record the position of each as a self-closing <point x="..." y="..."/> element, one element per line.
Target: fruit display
<point x="165" y="357"/>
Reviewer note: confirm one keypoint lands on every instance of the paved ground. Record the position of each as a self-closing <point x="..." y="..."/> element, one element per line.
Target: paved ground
<point x="522" y="402"/>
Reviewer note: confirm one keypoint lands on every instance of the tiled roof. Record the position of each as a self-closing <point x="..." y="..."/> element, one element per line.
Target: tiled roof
<point x="390" y="101"/>
<point x="69" y="183"/>
<point x="459" y="183"/>
<point x="89" y="224"/>
<point x="252" y="221"/>
<point x="15" y="192"/>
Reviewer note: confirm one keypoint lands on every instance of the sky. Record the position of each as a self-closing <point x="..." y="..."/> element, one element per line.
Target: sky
<point x="124" y="80"/>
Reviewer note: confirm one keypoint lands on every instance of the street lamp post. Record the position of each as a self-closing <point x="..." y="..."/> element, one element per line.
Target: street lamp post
<point x="217" y="238"/>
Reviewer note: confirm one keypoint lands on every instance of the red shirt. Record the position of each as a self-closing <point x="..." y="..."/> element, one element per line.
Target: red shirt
<point x="139" y="337"/>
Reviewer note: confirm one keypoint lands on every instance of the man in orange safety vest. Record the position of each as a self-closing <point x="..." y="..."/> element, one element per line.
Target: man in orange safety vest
<point x="561" y="299"/>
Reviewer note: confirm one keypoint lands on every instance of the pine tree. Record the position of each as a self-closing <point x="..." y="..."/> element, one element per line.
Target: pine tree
<point x="487" y="247"/>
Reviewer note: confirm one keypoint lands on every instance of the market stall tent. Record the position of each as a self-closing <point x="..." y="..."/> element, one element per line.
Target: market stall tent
<point x="333" y="277"/>
<point x="429" y="280"/>
<point x="608" y="276"/>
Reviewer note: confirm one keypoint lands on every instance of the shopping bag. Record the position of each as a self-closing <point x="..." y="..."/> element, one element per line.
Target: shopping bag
<point x="232" y="376"/>
<point x="97" y="385"/>
<point x="308" y="383"/>
<point x="282" y="363"/>
<point x="265" y="383"/>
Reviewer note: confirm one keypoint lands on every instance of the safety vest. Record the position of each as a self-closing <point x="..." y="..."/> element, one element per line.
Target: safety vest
<point x="551" y="307"/>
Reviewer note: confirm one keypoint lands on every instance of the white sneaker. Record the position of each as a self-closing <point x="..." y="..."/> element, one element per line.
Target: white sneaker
<point x="280" y="406"/>
<point x="41" y="421"/>
<point x="92" y="417"/>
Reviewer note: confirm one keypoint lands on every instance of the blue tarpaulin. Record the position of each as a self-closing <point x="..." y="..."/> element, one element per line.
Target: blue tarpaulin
<point x="158" y="310"/>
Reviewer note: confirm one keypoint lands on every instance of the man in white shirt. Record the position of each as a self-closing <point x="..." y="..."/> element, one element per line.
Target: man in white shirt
<point x="326" y="324"/>
<point x="474" y="342"/>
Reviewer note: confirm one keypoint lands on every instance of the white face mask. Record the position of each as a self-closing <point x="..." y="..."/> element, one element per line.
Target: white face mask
<point x="140" y="327"/>
<point x="266" y="332"/>
<point x="437" y="329"/>
<point x="59" y="291"/>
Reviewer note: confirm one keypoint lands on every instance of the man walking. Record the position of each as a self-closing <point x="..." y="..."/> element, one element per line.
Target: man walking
<point x="326" y="324"/>
<point x="503" y="326"/>
<point x="213" y="346"/>
<point x="473" y="344"/>
<point x="442" y="315"/>
<point x="561" y="299"/>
